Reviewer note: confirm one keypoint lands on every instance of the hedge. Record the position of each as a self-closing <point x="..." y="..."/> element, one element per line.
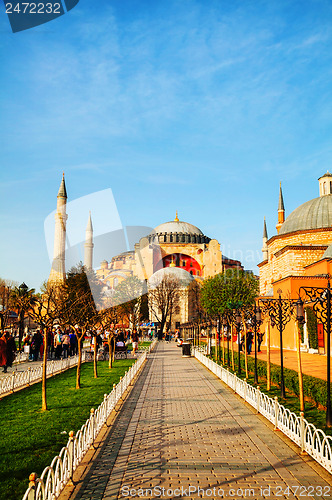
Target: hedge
<point x="313" y="387"/>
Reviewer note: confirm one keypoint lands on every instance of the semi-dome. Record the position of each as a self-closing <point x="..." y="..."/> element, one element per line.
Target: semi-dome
<point x="314" y="214"/>
<point x="182" y="275"/>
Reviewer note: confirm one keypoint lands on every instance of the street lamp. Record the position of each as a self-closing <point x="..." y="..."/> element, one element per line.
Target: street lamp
<point x="23" y="288"/>
<point x="225" y="325"/>
<point x="257" y="321"/>
<point x="321" y="300"/>
<point x="238" y="326"/>
<point x="280" y="312"/>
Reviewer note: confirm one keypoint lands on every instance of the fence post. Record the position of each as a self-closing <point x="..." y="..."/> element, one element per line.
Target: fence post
<point x="106" y="406"/>
<point x="13" y="381"/>
<point x="302" y="433"/>
<point x="245" y="389"/>
<point x="71" y="456"/>
<point x="258" y="394"/>
<point x="29" y="375"/>
<point x="92" y="417"/>
<point x="32" y="485"/>
<point x="276" y="406"/>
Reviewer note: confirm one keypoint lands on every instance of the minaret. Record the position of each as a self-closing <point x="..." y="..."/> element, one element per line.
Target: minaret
<point x="88" y="245"/>
<point x="265" y="247"/>
<point x="281" y="210"/>
<point x="58" y="271"/>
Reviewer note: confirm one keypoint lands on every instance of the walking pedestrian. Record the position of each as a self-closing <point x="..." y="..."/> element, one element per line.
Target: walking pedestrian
<point x="58" y="344"/>
<point x="65" y="345"/>
<point x="10" y="351"/>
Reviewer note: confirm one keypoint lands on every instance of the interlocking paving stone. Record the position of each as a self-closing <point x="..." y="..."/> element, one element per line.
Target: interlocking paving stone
<point x="181" y="429"/>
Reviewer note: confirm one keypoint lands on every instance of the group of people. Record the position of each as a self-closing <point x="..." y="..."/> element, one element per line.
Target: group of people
<point x="59" y="344"/>
<point x="248" y="340"/>
<point x="7" y="351"/>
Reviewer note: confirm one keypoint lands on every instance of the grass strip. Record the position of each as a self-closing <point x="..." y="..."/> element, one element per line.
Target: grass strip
<point x="30" y="438"/>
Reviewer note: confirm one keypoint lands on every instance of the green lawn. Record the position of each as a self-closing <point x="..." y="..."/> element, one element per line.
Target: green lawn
<point x="31" y="438"/>
<point x="140" y="345"/>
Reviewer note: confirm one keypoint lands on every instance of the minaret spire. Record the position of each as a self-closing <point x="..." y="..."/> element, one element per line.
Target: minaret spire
<point x="265" y="238"/>
<point x="88" y="245"/>
<point x="281" y="210"/>
<point x="58" y="271"/>
<point x="176" y="217"/>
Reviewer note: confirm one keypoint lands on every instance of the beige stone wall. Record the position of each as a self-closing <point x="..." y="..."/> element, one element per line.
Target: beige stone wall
<point x="292" y="261"/>
<point x="212" y="259"/>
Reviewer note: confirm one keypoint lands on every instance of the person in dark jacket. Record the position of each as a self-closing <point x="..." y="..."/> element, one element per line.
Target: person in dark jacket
<point x="8" y="350"/>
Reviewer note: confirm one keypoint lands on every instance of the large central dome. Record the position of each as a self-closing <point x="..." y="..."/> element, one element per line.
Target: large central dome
<point x="177" y="231"/>
<point x="314" y="214"/>
<point x="177" y="227"/>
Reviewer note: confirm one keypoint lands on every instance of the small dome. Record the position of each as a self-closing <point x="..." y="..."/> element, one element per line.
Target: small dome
<point x="178" y="227"/>
<point x="182" y="275"/>
<point x="314" y="214"/>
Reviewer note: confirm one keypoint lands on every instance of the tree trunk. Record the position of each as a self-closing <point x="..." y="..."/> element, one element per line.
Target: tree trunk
<point x="232" y="349"/>
<point x="221" y="332"/>
<point x="44" y="378"/>
<point x="245" y="345"/>
<point x="110" y="351"/>
<point x="299" y="365"/>
<point x="268" y="357"/>
<point x="95" y="372"/>
<point x="79" y="363"/>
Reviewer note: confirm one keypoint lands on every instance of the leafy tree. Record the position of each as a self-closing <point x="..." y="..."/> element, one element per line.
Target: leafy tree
<point x="228" y="292"/>
<point x="234" y="289"/>
<point x="23" y="300"/>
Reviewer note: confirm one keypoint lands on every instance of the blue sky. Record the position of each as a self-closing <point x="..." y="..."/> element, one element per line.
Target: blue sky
<point x="197" y="106"/>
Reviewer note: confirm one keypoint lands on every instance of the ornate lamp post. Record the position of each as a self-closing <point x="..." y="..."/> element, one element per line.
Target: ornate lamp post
<point x="238" y="328"/>
<point x="225" y="325"/>
<point x="280" y="312"/>
<point x="320" y="298"/>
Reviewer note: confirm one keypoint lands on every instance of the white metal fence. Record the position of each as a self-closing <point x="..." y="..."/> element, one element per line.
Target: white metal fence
<point x="61" y="470"/>
<point x="18" y="380"/>
<point x="310" y="439"/>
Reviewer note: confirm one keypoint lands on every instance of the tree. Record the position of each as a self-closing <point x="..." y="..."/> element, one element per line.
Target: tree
<point x="6" y="288"/>
<point x="164" y="296"/>
<point x="44" y="312"/>
<point x="227" y="292"/>
<point x="80" y="296"/>
<point x="128" y="298"/>
<point x="22" y="299"/>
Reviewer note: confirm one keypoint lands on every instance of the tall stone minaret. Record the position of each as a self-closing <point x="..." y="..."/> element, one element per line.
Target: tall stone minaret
<point x="58" y="271"/>
<point x="265" y="247"/>
<point x="281" y="210"/>
<point x="88" y="245"/>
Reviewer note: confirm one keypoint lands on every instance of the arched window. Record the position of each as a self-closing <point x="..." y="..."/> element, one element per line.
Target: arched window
<point x="324" y="188"/>
<point x="115" y="282"/>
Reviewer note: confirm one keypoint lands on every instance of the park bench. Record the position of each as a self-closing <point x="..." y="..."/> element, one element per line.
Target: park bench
<point x="121" y="352"/>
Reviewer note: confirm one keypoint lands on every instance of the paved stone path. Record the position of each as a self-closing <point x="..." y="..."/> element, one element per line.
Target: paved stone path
<point x="181" y="429"/>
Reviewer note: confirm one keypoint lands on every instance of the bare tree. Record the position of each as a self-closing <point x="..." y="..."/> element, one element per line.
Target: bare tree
<point x="164" y="296"/>
<point x="44" y="312"/>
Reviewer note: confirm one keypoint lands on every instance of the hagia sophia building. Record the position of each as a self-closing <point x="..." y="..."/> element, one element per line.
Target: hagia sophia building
<point x="299" y="255"/>
<point x="179" y="246"/>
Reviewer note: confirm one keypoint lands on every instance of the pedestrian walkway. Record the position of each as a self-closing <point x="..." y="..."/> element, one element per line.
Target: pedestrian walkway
<point x="182" y="434"/>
